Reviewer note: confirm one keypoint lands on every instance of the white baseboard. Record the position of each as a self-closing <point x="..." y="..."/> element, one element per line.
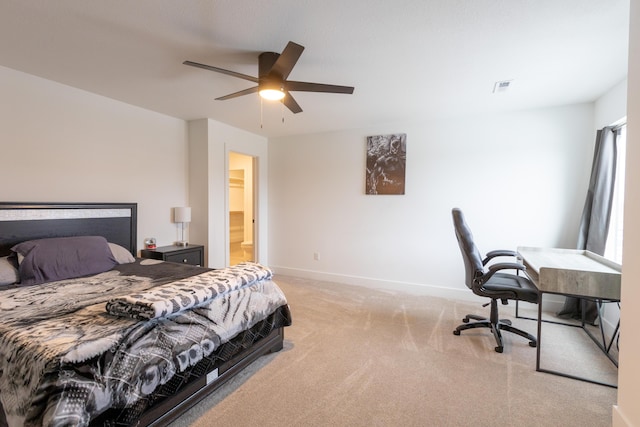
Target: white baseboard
<point x="412" y="288"/>
<point x="552" y="303"/>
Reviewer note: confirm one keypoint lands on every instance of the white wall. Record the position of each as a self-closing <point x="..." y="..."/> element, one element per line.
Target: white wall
<point x="612" y="106"/>
<point x="210" y="143"/>
<point x="520" y="178"/>
<point x="61" y="144"/>
<point x="627" y="412"/>
<point x="200" y="183"/>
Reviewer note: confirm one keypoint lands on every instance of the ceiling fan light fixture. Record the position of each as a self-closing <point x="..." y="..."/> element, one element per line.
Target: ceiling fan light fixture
<point x="272" y="94"/>
<point x="273" y="71"/>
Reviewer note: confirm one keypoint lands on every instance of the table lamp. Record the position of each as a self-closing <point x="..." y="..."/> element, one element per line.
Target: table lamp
<point x="182" y="216"/>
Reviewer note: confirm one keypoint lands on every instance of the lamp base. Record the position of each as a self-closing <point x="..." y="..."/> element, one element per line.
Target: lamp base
<point x="182" y="243"/>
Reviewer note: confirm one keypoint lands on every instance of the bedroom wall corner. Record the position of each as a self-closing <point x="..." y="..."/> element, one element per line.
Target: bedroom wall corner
<point x="209" y="145"/>
<point x="198" y="172"/>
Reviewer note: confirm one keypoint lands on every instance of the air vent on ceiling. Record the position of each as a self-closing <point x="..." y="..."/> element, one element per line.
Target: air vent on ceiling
<point x="502" y="86"/>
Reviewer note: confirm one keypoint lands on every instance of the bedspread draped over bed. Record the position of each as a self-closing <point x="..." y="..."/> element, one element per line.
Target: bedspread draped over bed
<point x="65" y="358"/>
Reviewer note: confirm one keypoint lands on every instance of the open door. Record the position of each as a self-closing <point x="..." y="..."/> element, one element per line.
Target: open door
<point x="241" y="208"/>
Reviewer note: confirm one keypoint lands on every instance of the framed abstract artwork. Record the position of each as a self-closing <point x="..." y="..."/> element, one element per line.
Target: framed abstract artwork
<point x="386" y="161"/>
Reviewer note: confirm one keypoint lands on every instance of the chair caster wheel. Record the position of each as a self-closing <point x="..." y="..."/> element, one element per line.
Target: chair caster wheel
<point x="533" y="344"/>
<point x="498" y="349"/>
<point x="456" y="332"/>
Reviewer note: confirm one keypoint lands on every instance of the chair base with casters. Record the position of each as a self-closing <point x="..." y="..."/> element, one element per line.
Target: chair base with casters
<point x="486" y="279"/>
<point x="496" y="325"/>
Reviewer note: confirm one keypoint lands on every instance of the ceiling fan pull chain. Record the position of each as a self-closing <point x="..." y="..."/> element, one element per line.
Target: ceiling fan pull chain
<point x="282" y="109"/>
<point x="260" y="112"/>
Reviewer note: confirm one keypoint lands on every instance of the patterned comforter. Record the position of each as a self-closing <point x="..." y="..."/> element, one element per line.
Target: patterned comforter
<point x="69" y="350"/>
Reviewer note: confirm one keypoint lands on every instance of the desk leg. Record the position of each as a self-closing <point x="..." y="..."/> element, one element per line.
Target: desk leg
<point x="539" y="349"/>
<point x="539" y="333"/>
<point x="615" y="334"/>
<point x="603" y="343"/>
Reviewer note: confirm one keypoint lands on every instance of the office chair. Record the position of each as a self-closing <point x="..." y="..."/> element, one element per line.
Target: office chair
<point x="486" y="281"/>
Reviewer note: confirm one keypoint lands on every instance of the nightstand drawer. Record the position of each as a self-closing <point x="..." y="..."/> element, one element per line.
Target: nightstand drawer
<point x="192" y="254"/>
<point x="186" y="257"/>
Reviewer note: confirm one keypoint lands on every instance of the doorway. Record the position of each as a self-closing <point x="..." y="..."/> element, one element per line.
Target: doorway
<point x="241" y="208"/>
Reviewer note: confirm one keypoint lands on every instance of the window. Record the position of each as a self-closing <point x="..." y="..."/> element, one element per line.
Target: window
<point x="613" y="250"/>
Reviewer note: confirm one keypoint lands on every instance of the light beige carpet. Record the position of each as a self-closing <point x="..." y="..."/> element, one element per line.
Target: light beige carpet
<point x="361" y="357"/>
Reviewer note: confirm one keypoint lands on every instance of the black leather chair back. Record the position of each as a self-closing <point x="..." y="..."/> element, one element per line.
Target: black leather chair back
<point x="470" y="253"/>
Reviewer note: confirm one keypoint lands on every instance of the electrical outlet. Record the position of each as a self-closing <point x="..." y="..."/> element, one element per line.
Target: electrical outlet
<point x="316" y="256"/>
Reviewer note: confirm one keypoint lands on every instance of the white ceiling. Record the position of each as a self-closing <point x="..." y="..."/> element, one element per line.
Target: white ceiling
<point x="408" y="59"/>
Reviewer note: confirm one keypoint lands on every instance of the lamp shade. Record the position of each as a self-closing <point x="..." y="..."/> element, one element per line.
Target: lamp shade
<point x="181" y="214"/>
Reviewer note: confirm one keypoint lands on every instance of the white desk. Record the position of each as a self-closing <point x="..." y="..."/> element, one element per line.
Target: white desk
<point x="571" y="272"/>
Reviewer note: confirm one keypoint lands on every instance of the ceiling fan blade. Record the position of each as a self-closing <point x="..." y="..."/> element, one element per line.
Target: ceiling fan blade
<point x="237" y="94"/>
<point x="291" y="103"/>
<point x="287" y="60"/>
<point x="221" y="70"/>
<point x="317" y="87"/>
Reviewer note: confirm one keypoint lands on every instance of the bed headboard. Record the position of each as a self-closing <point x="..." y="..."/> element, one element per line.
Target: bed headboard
<point x="20" y="221"/>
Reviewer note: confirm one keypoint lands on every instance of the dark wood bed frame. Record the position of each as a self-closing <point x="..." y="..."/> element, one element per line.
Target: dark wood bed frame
<point x="117" y="222"/>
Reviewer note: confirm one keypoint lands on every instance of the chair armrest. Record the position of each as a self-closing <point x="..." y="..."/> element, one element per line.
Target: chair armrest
<point x="507" y="266"/>
<point x="499" y="252"/>
<point x="494" y="268"/>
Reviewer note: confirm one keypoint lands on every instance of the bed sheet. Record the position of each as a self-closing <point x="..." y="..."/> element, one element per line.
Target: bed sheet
<point x="64" y="360"/>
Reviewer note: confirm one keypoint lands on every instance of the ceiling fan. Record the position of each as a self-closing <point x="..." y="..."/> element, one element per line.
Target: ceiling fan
<point x="273" y="70"/>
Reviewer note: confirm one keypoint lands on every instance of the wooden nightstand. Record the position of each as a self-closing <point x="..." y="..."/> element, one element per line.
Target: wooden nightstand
<point x="191" y="254"/>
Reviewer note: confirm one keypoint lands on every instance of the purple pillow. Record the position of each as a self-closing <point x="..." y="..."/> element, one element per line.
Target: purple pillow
<point x="48" y="260"/>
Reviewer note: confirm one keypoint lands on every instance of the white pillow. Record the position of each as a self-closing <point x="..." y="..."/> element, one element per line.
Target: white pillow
<point x="8" y="272"/>
<point x="121" y="255"/>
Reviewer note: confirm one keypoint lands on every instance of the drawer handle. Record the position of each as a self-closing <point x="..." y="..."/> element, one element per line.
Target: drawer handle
<point x="184" y="260"/>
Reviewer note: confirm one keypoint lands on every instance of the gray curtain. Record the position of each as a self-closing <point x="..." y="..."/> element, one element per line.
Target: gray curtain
<point x="594" y="225"/>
